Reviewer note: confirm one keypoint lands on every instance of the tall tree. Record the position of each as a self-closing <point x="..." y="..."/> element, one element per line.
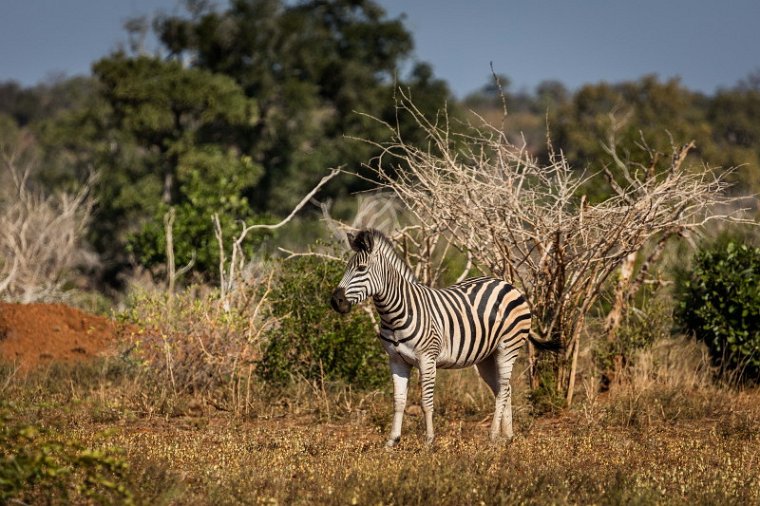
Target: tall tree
<point x="240" y="112"/>
<point x="159" y="136"/>
<point x="733" y="116"/>
<point x="311" y="66"/>
<point x="177" y="119"/>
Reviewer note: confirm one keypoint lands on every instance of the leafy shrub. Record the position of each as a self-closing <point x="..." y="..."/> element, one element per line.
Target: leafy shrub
<point x="546" y="398"/>
<point x="310" y="340"/>
<point x="210" y="181"/>
<point x="649" y="321"/>
<point x="35" y="466"/>
<point x="719" y="301"/>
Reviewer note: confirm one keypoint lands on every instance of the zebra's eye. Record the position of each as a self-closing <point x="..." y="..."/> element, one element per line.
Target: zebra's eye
<point x="361" y="268"/>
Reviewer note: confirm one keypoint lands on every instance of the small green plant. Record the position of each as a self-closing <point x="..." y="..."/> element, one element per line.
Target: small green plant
<point x="649" y="321"/>
<point x="719" y="301"/>
<point x="546" y="398"/>
<point x="36" y="466"/>
<point x="310" y="340"/>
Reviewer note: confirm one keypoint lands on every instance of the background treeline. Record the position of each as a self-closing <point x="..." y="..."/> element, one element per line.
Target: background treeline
<point x="647" y="112"/>
<point x="240" y="111"/>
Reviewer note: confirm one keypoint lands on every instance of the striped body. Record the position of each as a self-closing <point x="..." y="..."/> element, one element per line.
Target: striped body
<point x="481" y="321"/>
<point x="460" y="325"/>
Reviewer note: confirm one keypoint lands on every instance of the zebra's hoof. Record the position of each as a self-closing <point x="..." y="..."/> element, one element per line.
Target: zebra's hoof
<point x="392" y="442"/>
<point x="429" y="441"/>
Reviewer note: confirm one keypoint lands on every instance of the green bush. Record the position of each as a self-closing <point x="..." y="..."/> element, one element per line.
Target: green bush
<point x="719" y="301"/>
<point x="310" y="340"/>
<point x="648" y="320"/>
<point x="546" y="398"/>
<point x="209" y="181"/>
<point x="36" y="467"/>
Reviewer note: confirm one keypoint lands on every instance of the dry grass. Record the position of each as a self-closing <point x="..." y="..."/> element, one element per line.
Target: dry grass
<point x="286" y="461"/>
<point x="662" y="436"/>
<point x="197" y="343"/>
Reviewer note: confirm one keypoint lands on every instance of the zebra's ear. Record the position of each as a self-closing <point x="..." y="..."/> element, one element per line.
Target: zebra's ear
<point x="363" y="241"/>
<point x="351" y="240"/>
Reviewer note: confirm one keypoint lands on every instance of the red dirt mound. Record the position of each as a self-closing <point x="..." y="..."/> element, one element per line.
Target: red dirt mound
<point x="35" y="334"/>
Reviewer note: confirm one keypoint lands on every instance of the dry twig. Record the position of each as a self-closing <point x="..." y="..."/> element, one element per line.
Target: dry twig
<point x="41" y="236"/>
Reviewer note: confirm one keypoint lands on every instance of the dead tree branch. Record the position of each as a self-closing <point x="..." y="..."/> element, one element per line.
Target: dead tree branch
<point x="41" y="236"/>
<point x="229" y="272"/>
<point x="532" y="225"/>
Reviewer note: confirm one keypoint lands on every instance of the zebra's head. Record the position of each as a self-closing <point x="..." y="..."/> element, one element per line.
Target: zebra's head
<point x="361" y="278"/>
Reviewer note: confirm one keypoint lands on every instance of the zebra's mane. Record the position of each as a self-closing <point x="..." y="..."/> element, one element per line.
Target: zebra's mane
<point x="373" y="240"/>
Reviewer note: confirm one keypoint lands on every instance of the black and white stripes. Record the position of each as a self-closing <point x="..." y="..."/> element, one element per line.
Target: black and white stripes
<point x="482" y="321"/>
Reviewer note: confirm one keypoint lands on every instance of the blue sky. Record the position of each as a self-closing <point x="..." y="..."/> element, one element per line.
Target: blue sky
<point x="709" y="44"/>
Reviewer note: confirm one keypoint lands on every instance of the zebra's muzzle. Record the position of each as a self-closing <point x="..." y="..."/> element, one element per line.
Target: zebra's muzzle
<point x="339" y="302"/>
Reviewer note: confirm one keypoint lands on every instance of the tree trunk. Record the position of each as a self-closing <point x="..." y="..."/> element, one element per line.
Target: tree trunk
<point x="615" y="318"/>
<point x="166" y="196"/>
<point x="532" y="367"/>
<point x="574" y="363"/>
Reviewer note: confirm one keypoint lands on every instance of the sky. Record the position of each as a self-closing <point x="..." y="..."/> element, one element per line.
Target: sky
<point x="709" y="44"/>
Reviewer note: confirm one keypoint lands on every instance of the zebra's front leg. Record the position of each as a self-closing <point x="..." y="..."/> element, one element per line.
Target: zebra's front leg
<point x="400" y="371"/>
<point x="427" y="385"/>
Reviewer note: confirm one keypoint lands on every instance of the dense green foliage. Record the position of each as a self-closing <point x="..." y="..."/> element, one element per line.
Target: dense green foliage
<point x="157" y="134"/>
<point x="174" y="121"/>
<point x="311" y="66"/>
<point x="720" y="304"/>
<point x="310" y="340"/>
<point x="239" y="113"/>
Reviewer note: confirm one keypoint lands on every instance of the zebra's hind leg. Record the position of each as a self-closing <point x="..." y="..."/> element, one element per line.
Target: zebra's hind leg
<point x="490" y="374"/>
<point x="505" y="359"/>
<point x="497" y="370"/>
<point x="427" y="383"/>
<point x="506" y="421"/>
<point x="400" y="371"/>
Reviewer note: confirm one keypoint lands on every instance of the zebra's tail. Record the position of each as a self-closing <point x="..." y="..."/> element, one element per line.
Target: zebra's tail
<point x="553" y="345"/>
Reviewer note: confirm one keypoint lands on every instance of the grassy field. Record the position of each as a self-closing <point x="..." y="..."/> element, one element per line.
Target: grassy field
<point x="643" y="443"/>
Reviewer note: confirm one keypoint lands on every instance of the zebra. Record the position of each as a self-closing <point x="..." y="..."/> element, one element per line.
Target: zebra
<point x="481" y="321"/>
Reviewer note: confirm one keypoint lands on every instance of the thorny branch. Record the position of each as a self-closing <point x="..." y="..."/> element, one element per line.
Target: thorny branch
<point x="532" y="224"/>
<point x="229" y="272"/>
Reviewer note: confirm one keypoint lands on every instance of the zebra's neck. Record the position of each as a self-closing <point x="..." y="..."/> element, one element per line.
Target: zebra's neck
<point x="391" y="301"/>
<point x="394" y="261"/>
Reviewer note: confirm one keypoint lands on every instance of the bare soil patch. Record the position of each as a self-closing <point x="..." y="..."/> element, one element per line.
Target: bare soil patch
<point x="37" y="334"/>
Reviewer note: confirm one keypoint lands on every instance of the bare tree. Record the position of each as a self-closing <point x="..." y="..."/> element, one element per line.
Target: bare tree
<point x="531" y="224"/>
<point x="425" y="247"/>
<point x="232" y="270"/>
<point x="40" y="236"/>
